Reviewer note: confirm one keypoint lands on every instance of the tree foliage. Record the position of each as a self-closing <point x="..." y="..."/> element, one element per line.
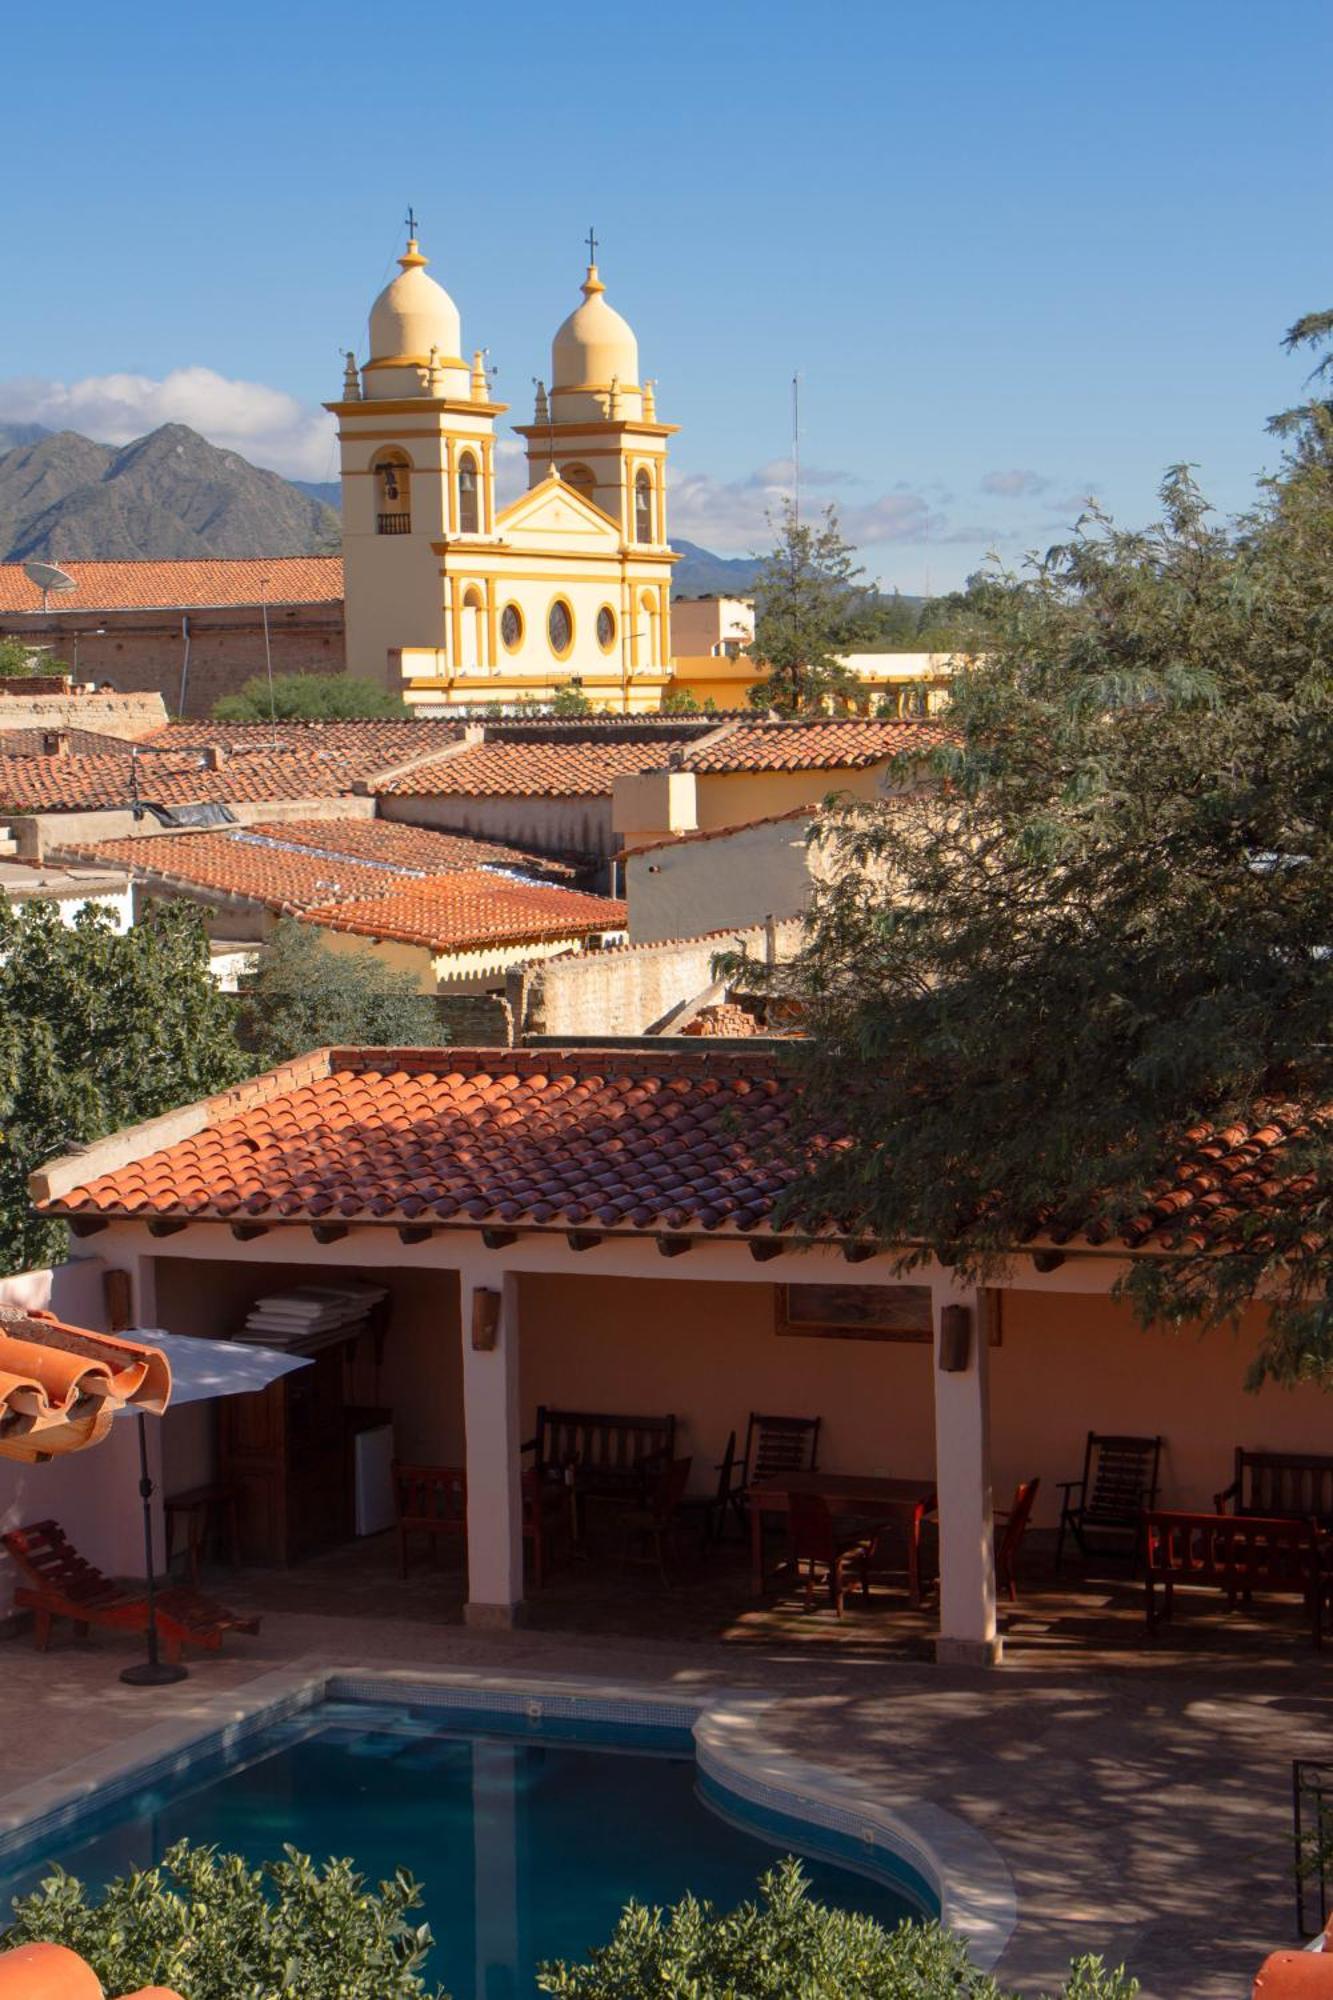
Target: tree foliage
<point x="307" y="995"/>
<point x="810" y="607"/>
<point x="571" y="700"/>
<point x="308" y="698"/>
<point x="211" y="1928"/>
<point x="786" y="1947"/>
<point x="18" y="657"/>
<point x="97" y="1030"/>
<point x="1107" y="917"/>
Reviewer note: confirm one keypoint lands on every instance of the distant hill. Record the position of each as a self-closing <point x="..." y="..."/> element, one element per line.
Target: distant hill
<point x="12" y="434"/>
<point x="328" y="492"/>
<point x="702" y="574"/>
<point x="170" y="494"/>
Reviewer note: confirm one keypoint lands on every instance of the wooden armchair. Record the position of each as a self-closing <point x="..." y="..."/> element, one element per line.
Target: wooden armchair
<point x="432" y="1501"/>
<point x="820" y="1550"/>
<point x="1280" y="1484"/>
<point x="651" y="1529"/>
<point x="773" y="1445"/>
<point x="1119" y="1483"/>
<point x="1010" y="1529"/>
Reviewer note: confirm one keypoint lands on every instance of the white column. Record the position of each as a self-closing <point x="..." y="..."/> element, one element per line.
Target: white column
<point x="967" y="1633"/>
<point x="491" y="1416"/>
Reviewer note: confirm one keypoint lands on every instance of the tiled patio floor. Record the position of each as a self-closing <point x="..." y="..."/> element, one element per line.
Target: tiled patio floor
<point x="1140" y="1796"/>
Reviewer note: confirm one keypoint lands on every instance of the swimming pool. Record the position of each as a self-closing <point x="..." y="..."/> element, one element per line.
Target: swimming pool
<point x="529" y="1828"/>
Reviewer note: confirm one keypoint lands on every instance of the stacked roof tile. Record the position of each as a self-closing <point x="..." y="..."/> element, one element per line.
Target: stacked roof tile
<point x="389" y="739"/>
<point x="654" y="1140"/>
<point x="418" y="849"/>
<point x="456" y="912"/>
<point x="169" y="585"/>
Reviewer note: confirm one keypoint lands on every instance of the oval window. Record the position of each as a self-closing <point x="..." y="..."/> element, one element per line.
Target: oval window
<point x="511" y="626"/>
<point x="560" y="627"/>
<point x="606" y="628"/>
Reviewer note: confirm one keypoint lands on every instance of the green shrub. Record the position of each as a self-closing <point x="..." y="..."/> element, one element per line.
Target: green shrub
<point x="787" y="1947"/>
<point x="308" y="698"/>
<point x="212" y="1928"/>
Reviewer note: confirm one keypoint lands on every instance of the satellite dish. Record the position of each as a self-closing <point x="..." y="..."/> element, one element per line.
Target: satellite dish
<point x="47" y="577"/>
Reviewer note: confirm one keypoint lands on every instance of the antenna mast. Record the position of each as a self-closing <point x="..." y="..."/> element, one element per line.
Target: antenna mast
<point x="796" y="445"/>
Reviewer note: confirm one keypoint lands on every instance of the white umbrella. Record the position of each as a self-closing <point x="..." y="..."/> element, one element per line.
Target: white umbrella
<point x="201" y="1370"/>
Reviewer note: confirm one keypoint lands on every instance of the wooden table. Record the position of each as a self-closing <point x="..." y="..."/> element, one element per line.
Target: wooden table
<point x="904" y="1500"/>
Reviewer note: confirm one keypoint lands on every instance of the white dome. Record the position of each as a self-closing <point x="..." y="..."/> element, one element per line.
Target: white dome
<point x="595" y="347"/>
<point x="414" y="314"/>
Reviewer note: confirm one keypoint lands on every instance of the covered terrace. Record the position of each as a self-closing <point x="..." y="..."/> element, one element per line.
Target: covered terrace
<point x="594" y="1230"/>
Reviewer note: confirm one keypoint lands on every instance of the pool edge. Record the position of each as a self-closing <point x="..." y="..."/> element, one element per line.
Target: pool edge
<point x="960" y="1864"/>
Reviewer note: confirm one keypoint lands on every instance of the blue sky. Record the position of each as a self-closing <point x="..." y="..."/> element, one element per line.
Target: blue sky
<point x="1018" y="254"/>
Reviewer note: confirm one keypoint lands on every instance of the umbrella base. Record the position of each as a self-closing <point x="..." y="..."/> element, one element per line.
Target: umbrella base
<point x="153" y="1674"/>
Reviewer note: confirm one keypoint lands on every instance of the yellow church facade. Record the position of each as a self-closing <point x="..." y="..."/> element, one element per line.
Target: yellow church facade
<point x="457" y="602"/>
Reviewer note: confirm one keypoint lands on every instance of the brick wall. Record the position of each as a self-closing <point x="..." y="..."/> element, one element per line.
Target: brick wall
<point x="144" y="650"/>
<point x="475" y="1020"/>
<point x="628" y="991"/>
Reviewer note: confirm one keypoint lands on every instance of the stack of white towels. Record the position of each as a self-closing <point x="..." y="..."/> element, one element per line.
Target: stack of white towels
<point x="312" y="1316"/>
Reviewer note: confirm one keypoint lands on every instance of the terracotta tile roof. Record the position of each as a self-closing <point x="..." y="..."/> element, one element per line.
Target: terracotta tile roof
<point x="127" y="586"/>
<point x="171" y="778"/>
<point x="452" y="912"/>
<point x="532" y="770"/>
<point x="847" y="744"/>
<point x="418" y="848"/>
<point x="806" y="812"/>
<point x="240" y="863"/>
<point x="546" y="1137"/>
<point x="671" y="1139"/>
<point x="61" y="1386"/>
<point x="306" y="865"/>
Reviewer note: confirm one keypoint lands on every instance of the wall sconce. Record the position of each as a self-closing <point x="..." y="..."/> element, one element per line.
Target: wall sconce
<point x="955" y="1339"/>
<point x="485" y="1320"/>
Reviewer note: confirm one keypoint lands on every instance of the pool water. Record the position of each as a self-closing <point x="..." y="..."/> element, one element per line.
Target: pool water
<point x="527" y="1841"/>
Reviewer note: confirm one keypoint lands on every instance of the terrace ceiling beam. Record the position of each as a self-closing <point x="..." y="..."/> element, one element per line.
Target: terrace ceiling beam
<point x="415" y="1232"/>
<point x="499" y="1239"/>
<point x="246" y="1232"/>
<point x="674" y="1246"/>
<point x="859" y="1253"/>
<point x="165" y="1225"/>
<point x="765" y="1248"/>
<point x="328" y="1232"/>
<point x="582" y="1239"/>
<point x="87" y="1225"/>
<point x="1047" y="1260"/>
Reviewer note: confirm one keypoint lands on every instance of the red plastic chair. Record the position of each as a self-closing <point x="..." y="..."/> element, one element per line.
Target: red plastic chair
<point x="1010" y="1530"/>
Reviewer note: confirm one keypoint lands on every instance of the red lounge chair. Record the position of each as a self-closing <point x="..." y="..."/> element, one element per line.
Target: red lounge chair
<point x="58" y="1583"/>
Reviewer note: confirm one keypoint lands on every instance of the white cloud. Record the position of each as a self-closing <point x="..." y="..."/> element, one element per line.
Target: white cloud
<point x="1014" y="484"/>
<point x="264" y="425"/>
<point x="737" y="515"/>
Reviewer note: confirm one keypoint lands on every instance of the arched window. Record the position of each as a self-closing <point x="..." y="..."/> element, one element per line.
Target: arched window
<point x="643" y="507"/>
<point x="474" y="621"/>
<point x="469" y="510"/>
<point x="580" y="478"/>
<point x="393" y="493"/>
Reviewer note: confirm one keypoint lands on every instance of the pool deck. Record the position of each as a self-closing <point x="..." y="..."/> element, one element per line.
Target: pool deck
<point x="1141" y="1800"/>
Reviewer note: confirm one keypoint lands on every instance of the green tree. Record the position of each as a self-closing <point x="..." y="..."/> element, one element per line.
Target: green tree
<point x="211" y="1928"/>
<point x="571" y="700"/>
<point x="1110" y="920"/>
<point x="18" y="657"/>
<point x="97" y="1030"/>
<point x="786" y="1947"/>
<point x="308" y="995"/>
<point x="810" y="607"/>
<point x="308" y="698"/>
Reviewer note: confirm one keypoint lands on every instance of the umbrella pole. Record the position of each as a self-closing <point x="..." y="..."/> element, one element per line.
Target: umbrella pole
<point x="152" y="1672"/>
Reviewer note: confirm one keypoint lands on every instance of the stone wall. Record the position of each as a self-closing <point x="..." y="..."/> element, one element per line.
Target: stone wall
<point x="475" y="1020"/>
<point x="47" y="704"/>
<point x="632" y="990"/>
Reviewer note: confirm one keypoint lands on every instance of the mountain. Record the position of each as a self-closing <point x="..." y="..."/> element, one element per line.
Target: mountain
<point x="169" y="494"/>
<point x="702" y="574"/>
<point x="328" y="492"/>
<point x="12" y="434"/>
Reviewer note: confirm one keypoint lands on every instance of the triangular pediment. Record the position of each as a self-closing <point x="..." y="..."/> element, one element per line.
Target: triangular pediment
<point x="554" y="515"/>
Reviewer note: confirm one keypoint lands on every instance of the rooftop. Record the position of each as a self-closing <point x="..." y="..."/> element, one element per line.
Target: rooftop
<point x="321" y="768"/>
<point x="664" y="1140"/>
<point x="459" y="911"/>
<point x="849" y="743"/>
<point x="217" y="581"/>
<point x="565" y="769"/>
<point x="304" y="864"/>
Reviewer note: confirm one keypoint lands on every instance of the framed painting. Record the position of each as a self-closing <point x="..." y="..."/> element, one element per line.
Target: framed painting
<point x="868" y="1312"/>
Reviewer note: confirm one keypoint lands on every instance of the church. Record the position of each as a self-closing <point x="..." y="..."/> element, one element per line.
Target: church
<point x="456" y="601"/>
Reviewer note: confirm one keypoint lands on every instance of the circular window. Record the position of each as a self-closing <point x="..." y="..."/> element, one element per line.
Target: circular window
<point x="560" y="627"/>
<point x="511" y="627"/>
<point x="606" y="628"/>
